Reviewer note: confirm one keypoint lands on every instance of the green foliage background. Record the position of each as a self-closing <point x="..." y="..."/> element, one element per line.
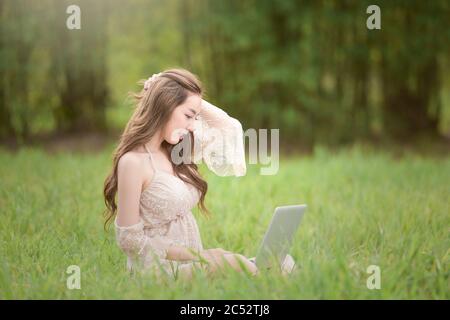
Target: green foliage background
<point x="310" y="68"/>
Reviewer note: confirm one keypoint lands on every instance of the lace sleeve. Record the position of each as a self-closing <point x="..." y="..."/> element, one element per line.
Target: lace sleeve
<point x="219" y="142"/>
<point x="135" y="243"/>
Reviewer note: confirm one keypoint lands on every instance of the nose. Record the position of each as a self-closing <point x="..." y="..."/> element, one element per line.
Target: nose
<point x="190" y="128"/>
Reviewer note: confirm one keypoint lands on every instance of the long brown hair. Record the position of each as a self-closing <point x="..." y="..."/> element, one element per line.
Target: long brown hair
<point x="153" y="109"/>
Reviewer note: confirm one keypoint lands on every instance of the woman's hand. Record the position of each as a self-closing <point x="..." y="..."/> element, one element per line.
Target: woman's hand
<point x="239" y="262"/>
<point x="213" y="258"/>
<point x="218" y="258"/>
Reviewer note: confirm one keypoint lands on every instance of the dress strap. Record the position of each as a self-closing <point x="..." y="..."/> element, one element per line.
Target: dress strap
<point x="151" y="157"/>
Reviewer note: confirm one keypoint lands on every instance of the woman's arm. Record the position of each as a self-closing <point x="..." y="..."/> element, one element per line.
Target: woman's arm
<point x="181" y="253"/>
<point x="219" y="141"/>
<point x="217" y="118"/>
<point x="215" y="259"/>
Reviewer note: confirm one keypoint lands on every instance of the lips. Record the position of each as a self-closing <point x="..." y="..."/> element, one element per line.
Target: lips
<point x="182" y="136"/>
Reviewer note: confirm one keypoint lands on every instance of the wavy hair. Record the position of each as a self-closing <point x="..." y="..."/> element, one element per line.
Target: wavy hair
<point x="154" y="107"/>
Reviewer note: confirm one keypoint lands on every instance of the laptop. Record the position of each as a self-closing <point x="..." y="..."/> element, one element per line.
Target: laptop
<point x="278" y="238"/>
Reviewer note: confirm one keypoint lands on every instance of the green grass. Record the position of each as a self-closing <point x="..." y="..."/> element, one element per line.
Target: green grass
<point x="365" y="208"/>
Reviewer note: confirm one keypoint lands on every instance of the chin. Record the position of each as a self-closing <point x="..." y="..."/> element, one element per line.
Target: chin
<point x="173" y="142"/>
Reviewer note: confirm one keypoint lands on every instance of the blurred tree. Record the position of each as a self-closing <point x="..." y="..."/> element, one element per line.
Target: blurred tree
<point x="17" y="42"/>
<point x="419" y="31"/>
<point x="78" y="71"/>
<point x="6" y="128"/>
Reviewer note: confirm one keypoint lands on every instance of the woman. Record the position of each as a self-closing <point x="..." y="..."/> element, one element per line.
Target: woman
<point x="156" y="191"/>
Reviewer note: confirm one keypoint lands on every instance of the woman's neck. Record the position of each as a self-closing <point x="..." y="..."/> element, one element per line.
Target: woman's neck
<point x="155" y="143"/>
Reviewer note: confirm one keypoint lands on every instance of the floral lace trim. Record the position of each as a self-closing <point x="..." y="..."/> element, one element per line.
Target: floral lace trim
<point x="136" y="244"/>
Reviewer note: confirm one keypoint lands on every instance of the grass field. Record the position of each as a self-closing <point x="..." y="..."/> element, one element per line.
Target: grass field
<point x="365" y="208"/>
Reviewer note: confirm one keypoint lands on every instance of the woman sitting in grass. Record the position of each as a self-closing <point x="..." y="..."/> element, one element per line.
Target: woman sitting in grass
<point x="156" y="191"/>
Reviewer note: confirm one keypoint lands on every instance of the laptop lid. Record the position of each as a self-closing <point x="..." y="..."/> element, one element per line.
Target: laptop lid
<point x="278" y="238"/>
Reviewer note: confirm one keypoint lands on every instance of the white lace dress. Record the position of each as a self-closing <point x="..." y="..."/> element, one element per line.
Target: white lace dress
<point x="166" y="203"/>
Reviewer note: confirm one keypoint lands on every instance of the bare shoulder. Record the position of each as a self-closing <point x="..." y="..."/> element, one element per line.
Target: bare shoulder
<point x="134" y="164"/>
<point x="129" y="161"/>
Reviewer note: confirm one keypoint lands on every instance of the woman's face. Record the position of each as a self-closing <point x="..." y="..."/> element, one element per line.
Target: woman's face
<point x="182" y="119"/>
